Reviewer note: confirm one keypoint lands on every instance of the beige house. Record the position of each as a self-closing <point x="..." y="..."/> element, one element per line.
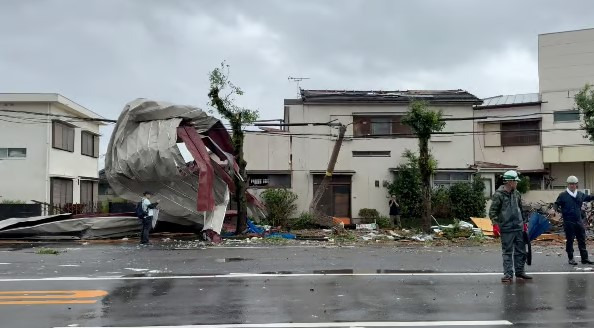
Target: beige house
<point x="297" y="157"/>
<point x="539" y="134"/>
<point x="49" y="149"/>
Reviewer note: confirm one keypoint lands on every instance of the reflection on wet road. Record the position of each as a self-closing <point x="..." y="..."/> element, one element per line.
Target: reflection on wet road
<point x="397" y="299"/>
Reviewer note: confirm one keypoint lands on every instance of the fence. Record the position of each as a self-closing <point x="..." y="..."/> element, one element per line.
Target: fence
<point x="8" y="211"/>
<point x="87" y="208"/>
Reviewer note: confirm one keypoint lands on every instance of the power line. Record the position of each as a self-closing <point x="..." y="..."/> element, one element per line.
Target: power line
<point x="59" y="115"/>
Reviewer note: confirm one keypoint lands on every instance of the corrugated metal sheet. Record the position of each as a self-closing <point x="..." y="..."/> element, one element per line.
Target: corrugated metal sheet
<point x="511" y="100"/>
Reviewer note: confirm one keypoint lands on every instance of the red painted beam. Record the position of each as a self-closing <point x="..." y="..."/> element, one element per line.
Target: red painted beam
<point x="196" y="147"/>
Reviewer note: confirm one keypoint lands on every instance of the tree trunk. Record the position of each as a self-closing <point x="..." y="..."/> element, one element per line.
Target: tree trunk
<point x="425" y="168"/>
<point x="241" y="185"/>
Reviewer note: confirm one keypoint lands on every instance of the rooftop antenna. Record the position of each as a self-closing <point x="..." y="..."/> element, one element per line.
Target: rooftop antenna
<point x="297" y="80"/>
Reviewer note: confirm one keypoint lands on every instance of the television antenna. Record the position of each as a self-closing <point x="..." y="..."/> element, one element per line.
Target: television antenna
<point x="297" y="81"/>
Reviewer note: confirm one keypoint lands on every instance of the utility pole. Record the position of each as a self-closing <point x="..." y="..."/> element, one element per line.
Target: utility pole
<point x="313" y="207"/>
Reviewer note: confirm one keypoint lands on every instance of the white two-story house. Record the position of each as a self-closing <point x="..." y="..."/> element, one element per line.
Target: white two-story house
<point x="297" y="157"/>
<point x="49" y="149"/>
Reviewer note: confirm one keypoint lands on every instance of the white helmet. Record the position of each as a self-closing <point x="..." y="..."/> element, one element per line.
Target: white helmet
<point x="511" y="176"/>
<point x="572" y="179"/>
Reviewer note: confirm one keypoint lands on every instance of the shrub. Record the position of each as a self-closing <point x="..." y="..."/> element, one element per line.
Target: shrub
<point x="280" y="205"/>
<point x="384" y="222"/>
<point x="524" y="185"/>
<point x="10" y="201"/>
<point x="304" y="221"/>
<point x="467" y="199"/>
<point x="407" y="186"/>
<point x="368" y="213"/>
<point x="440" y="203"/>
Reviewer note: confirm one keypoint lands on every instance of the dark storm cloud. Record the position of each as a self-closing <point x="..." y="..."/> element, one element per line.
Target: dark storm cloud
<point x="103" y="53"/>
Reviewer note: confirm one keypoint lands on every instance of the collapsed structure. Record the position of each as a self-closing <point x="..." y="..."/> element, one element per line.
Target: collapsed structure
<point x="143" y="154"/>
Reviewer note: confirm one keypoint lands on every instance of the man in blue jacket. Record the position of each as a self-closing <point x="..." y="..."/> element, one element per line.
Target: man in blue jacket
<point x="569" y="203"/>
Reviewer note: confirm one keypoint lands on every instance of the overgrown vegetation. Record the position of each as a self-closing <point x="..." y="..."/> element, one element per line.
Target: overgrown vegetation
<point x="281" y="204"/>
<point x="457" y="231"/>
<point x="424" y="121"/>
<point x="584" y="101"/>
<point x="222" y="97"/>
<point x="384" y="222"/>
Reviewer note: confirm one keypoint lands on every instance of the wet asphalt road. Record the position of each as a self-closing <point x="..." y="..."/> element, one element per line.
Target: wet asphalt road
<point x="123" y="286"/>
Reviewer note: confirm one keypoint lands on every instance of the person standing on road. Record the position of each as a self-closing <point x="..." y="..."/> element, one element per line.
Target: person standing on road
<point x="147" y="219"/>
<point x="395" y="211"/>
<point x="570" y="203"/>
<point x="506" y="214"/>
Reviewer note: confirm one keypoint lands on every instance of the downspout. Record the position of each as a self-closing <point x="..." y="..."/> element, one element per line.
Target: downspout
<point x="48" y="147"/>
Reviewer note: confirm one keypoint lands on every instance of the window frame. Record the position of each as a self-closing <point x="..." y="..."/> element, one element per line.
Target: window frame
<point x="69" y="127"/>
<point x="363" y="126"/>
<point x="371" y="153"/>
<point x="568" y="111"/>
<point x="514" y="129"/>
<point x="69" y="193"/>
<point x="7" y="153"/>
<point x="94" y="143"/>
<point x="442" y="183"/>
<point x="94" y="195"/>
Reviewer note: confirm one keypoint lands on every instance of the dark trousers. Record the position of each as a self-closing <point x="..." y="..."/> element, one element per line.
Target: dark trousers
<point x="147" y="222"/>
<point x="514" y="252"/>
<point x="575" y="230"/>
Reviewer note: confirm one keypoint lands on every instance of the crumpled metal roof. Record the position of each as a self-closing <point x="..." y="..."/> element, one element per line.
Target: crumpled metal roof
<point x="523" y="99"/>
<point x="396" y="96"/>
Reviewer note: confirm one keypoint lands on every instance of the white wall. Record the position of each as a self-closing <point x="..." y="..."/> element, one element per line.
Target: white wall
<point x="24" y="179"/>
<point x="312" y="152"/>
<point x="73" y="165"/>
<point x="488" y="146"/>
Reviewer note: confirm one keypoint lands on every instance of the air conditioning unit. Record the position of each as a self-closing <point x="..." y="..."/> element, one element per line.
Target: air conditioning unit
<point x="587" y="192"/>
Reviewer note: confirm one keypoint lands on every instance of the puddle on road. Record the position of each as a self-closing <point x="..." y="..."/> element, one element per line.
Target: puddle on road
<point x="232" y="259"/>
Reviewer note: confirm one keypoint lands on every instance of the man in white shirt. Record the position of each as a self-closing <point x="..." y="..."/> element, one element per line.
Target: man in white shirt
<point x="147" y="220"/>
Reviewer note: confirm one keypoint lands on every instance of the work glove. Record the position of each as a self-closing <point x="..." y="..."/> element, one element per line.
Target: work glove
<point x="525" y="227"/>
<point x="496" y="231"/>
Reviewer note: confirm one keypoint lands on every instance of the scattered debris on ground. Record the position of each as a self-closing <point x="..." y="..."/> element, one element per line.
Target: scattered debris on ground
<point x="47" y="251"/>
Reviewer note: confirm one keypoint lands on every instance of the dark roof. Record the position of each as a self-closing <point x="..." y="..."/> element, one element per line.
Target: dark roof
<point x="489" y="165"/>
<point x="524" y="99"/>
<point x="371" y="96"/>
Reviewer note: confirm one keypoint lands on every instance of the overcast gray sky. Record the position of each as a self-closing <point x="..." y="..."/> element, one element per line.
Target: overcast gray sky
<point x="104" y="53"/>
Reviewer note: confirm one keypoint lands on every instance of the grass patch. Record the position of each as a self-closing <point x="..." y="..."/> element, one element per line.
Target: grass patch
<point x="347" y="237"/>
<point x="47" y="251"/>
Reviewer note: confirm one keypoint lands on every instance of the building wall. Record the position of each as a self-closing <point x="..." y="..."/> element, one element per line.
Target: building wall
<point x="311" y="147"/>
<point x="73" y="165"/>
<point x="488" y="144"/>
<point x="565" y="65"/>
<point x="24" y="179"/>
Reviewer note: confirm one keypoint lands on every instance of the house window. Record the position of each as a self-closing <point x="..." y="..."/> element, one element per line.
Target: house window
<point x="566" y="116"/>
<point x="447" y="179"/>
<point x="269" y="180"/>
<point x="8" y="153"/>
<point x="89" y="143"/>
<point x="88" y="192"/>
<point x="384" y="126"/>
<point x="525" y="133"/>
<point x="371" y="153"/>
<point x="61" y="192"/>
<point x="63" y="136"/>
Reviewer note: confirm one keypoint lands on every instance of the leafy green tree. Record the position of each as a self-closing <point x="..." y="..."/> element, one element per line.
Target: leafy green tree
<point x="424" y="122"/>
<point x="584" y="101"/>
<point x="222" y="97"/>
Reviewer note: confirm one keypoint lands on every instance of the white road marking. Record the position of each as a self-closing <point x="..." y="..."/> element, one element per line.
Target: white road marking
<point x="291" y="275"/>
<point x="341" y="324"/>
<point x="69" y="265"/>
<point x="5" y="263"/>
